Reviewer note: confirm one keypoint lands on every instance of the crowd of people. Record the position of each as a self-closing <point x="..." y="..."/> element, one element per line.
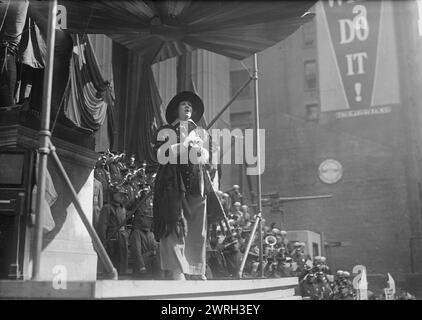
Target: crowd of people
<point x="281" y="257"/>
<point x="122" y="216"/>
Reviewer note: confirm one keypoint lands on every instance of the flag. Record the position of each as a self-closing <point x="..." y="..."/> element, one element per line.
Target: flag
<point x="89" y="100"/>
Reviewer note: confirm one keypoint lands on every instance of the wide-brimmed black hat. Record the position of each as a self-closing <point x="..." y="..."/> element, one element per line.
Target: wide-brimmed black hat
<point x="173" y="106"/>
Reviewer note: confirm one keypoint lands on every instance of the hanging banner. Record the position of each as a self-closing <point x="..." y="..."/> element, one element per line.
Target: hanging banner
<point x="357" y="58"/>
<point x="354" y="30"/>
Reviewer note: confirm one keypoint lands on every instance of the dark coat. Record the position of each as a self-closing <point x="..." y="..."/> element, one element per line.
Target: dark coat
<point x="112" y="232"/>
<point x="173" y="184"/>
<point x="170" y="193"/>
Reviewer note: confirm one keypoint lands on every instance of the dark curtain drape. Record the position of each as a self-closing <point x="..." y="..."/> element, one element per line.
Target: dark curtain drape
<point x="88" y="99"/>
<point x="138" y="99"/>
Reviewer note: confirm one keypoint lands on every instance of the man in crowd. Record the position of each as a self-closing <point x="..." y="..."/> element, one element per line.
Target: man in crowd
<point x="131" y="162"/>
<point x="111" y="229"/>
<point x="236" y="212"/>
<point x="225" y="201"/>
<point x="97" y="202"/>
<point x="103" y="176"/>
<point x="235" y="195"/>
<point x="232" y="255"/>
<point x="300" y="258"/>
<point x="282" y="240"/>
<point x="246" y="217"/>
<point x="143" y="247"/>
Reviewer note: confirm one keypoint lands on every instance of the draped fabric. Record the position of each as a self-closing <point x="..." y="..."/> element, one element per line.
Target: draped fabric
<point x="139" y="102"/>
<point x="32" y="49"/>
<point x="89" y="99"/>
<point x="102" y="45"/>
<point x="163" y="29"/>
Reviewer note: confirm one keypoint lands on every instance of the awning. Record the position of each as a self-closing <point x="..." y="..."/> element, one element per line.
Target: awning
<point x="164" y="29"/>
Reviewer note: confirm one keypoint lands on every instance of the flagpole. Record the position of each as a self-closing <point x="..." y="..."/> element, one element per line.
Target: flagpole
<point x="44" y="139"/>
<point x="258" y="159"/>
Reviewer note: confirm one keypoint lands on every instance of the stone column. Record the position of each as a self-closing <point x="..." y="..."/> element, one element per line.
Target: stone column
<point x="211" y="77"/>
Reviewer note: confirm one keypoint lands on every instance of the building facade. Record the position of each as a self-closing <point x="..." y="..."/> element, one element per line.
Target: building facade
<point x="339" y="105"/>
<point x="338" y="102"/>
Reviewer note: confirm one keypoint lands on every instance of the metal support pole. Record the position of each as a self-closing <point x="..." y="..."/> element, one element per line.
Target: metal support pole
<point x="258" y="159"/>
<point x="102" y="253"/>
<point x="229" y="103"/>
<point x="45" y="148"/>
<point x="248" y="247"/>
<point x="258" y="221"/>
<point x="44" y="138"/>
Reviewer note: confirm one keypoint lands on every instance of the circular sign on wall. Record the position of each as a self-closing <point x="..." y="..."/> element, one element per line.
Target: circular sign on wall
<point x="330" y="171"/>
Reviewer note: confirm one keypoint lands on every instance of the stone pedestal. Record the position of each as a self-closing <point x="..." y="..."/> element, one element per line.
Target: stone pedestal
<point x="67" y="252"/>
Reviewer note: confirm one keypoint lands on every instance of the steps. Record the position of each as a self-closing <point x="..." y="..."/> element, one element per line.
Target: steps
<point x="250" y="289"/>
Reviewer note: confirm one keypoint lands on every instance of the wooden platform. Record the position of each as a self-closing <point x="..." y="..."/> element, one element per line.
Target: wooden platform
<point x="256" y="289"/>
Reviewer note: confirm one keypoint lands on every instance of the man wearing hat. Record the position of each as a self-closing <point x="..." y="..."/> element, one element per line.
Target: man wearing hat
<point x="225" y="201"/>
<point x="235" y="194"/>
<point x="245" y="213"/>
<point x="236" y="212"/>
<point x="131" y="162"/>
<point x="111" y="229"/>
<point x="97" y="202"/>
<point x="285" y="267"/>
<point x="232" y="255"/>
<point x="180" y="189"/>
<point x="143" y="247"/>
<point x="102" y="175"/>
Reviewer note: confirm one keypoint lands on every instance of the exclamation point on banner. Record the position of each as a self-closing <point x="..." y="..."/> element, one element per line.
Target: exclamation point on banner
<point x="358" y="90"/>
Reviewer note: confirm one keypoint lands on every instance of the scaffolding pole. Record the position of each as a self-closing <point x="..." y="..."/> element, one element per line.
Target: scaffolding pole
<point x="258" y="159"/>
<point x="258" y="222"/>
<point x="44" y="139"/>
<point x="45" y="148"/>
